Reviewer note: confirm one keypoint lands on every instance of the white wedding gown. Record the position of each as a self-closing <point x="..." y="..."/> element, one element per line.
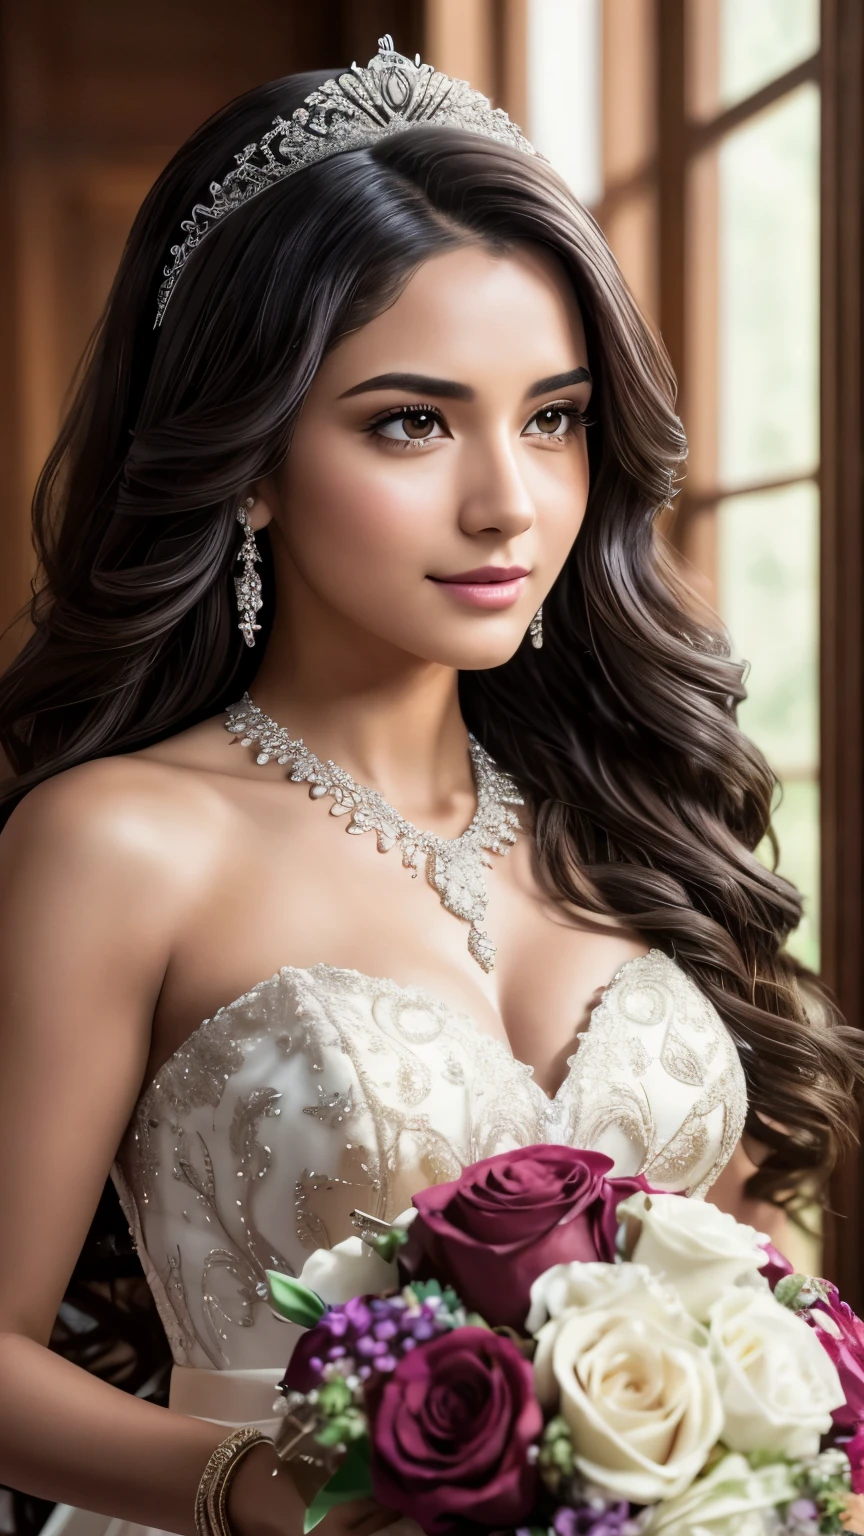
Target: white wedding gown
<point x="324" y="1090"/>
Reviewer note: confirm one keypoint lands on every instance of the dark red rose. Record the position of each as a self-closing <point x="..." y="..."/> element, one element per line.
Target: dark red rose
<point x="505" y="1220"/>
<point x="450" y="1434"/>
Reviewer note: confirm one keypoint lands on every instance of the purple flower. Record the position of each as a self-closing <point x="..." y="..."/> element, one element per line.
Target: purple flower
<point x="366" y="1335"/>
<point x="603" y="1519"/>
<point x="802" y="1519"/>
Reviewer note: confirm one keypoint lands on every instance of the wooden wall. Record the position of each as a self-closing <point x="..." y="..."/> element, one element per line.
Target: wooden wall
<point x="95" y="96"/>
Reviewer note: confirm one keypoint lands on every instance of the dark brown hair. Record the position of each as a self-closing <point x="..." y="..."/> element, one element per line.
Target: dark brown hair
<point x="649" y="800"/>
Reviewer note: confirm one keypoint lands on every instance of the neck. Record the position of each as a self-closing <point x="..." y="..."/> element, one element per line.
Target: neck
<point x="391" y="720"/>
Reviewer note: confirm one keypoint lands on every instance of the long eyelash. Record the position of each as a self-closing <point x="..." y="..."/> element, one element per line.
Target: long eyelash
<point x="397" y="413"/>
<point x="566" y="408"/>
<point x="394" y="413"/>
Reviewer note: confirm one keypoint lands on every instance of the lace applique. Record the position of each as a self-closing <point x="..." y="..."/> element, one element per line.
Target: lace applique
<point x="453" y="1069"/>
<point x="606" y="1096"/>
<point x="331" y="1108"/>
<point x="322" y="1090"/>
<point x="680" y="1060"/>
<point x="506" y="1110"/>
<point x="193" y="1078"/>
<point x="686" y="1149"/>
<point x="172" y="1313"/>
<point x="175" y="1297"/>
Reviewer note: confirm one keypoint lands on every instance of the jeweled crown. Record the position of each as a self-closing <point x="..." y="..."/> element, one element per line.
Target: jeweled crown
<point x="355" y="109"/>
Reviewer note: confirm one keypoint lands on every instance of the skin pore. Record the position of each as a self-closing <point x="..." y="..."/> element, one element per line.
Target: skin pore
<point x="141" y="892"/>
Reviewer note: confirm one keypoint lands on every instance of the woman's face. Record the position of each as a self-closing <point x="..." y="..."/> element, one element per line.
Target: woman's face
<point x="438" y="472"/>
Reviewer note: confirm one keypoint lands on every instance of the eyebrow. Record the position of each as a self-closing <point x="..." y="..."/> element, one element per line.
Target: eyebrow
<point x="449" y="389"/>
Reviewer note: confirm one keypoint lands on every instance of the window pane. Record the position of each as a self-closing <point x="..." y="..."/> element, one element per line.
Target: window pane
<point x="796" y="824"/>
<point x="769" y="293"/>
<point x="768" y="581"/>
<point x="760" y="39"/>
<point x="563" y="86"/>
<point x="631" y="229"/>
<point x="768" y="576"/>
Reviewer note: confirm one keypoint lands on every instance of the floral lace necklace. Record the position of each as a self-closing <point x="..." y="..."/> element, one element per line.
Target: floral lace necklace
<point x="454" y="866"/>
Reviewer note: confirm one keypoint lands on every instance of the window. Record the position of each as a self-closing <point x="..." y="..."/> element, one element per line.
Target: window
<point x="700" y="158"/>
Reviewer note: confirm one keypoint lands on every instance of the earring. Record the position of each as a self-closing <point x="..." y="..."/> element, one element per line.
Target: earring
<point x="535" y="629"/>
<point x="248" y="586"/>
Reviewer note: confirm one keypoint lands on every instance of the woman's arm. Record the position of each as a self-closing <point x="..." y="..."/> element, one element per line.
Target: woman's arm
<point x="96" y="869"/>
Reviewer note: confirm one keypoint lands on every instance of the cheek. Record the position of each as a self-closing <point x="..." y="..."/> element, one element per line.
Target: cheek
<point x="558" y="483"/>
<point x="347" y="506"/>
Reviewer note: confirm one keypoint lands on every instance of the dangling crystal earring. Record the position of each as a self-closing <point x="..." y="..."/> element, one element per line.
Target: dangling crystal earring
<point x="535" y="629"/>
<point x="248" y="586"/>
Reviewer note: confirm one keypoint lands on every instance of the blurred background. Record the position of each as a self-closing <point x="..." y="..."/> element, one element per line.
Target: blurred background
<point x="719" y="145"/>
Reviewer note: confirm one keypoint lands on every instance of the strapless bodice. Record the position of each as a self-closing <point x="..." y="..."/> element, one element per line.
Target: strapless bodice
<point x="323" y="1090"/>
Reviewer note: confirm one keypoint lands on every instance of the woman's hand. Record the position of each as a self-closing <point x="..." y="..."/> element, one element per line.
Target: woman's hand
<point x="265" y="1499"/>
<point x="853" y="1518"/>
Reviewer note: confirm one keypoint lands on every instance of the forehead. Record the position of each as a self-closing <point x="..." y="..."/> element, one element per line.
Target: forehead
<point x="472" y="313"/>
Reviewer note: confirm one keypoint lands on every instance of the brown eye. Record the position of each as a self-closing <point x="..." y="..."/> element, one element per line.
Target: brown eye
<point x="409" y="425"/>
<point x="555" y="421"/>
<point x="550" y="419"/>
<point x="420" y="424"/>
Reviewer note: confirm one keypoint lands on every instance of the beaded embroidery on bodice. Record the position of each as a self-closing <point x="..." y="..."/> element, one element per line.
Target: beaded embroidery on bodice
<point x="321" y="1090"/>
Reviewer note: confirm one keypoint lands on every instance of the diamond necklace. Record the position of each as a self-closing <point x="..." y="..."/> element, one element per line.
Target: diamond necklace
<point x="453" y="864"/>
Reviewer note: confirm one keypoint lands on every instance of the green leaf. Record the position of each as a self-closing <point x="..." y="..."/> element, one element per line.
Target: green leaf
<point x="351" y="1480"/>
<point x="294" y="1301"/>
<point x="331" y="1434"/>
<point x="423" y="1289"/>
<point x="387" y="1244"/>
<point x="335" y="1396"/>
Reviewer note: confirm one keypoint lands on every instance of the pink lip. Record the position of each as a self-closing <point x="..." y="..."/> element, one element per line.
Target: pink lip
<point x="480" y="573"/>
<point x="489" y="586"/>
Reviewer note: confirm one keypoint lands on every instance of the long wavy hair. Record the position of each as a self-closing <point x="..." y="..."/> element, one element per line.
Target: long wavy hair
<point x="649" y="800"/>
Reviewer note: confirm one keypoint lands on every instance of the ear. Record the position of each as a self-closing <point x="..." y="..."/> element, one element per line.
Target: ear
<point x="265" y="494"/>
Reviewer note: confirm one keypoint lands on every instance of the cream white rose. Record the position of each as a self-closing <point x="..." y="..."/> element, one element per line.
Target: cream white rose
<point x="732" y="1499"/>
<point x="566" y="1286"/>
<point x="777" y="1383"/>
<point x="696" y="1247"/>
<point x="635" y="1383"/>
<point x="351" y="1268"/>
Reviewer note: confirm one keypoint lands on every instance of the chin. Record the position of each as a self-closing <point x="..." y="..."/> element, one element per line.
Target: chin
<point x="478" y="654"/>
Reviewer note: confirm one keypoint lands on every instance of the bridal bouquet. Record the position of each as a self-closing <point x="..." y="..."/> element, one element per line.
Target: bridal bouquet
<point x="540" y="1349"/>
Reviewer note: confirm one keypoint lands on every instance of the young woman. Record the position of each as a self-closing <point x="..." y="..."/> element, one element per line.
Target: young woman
<point x="393" y="347"/>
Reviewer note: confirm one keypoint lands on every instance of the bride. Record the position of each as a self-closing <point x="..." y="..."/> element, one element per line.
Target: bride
<point x="354" y="511"/>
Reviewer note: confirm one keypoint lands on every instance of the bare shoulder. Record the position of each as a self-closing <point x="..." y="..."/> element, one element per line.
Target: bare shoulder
<point x="117" y="819"/>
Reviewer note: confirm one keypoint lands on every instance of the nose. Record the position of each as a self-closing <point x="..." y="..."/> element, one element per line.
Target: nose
<point x="495" y="498"/>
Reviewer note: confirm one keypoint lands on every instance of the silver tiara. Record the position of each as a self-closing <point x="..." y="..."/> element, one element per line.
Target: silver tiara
<point x="359" y="107"/>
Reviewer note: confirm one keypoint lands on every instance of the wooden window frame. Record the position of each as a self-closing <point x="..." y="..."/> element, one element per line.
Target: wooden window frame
<point x="842" y="575"/>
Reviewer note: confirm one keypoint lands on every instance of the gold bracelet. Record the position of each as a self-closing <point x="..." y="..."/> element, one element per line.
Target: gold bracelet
<point x="210" y="1500"/>
<point x="217" y="1501"/>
